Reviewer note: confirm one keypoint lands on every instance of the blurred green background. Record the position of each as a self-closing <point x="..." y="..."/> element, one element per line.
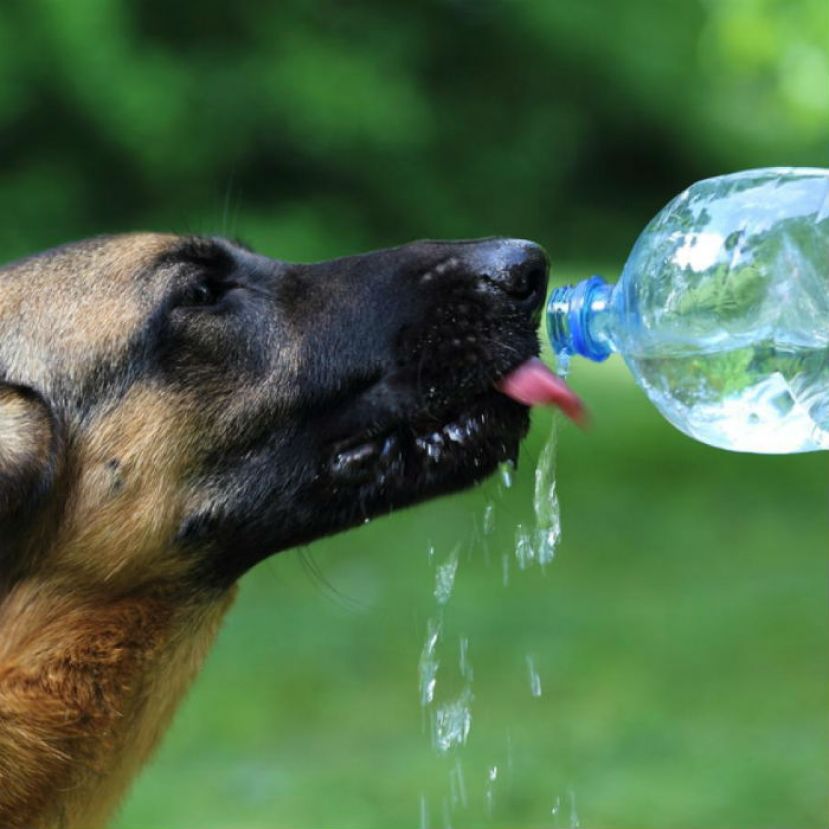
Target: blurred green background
<point x="681" y="635"/>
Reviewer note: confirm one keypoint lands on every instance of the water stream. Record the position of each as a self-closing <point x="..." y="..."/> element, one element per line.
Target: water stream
<point x="537" y="544"/>
<point x="445" y="670"/>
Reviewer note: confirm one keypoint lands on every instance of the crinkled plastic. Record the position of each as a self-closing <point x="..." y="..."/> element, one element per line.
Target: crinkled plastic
<point x="722" y="311"/>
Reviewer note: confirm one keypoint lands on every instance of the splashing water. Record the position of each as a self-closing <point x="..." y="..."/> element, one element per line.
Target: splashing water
<point x="535" y="679"/>
<point x="489" y="792"/>
<point x="489" y="519"/>
<point x="563" y="358"/>
<point x="573" y="821"/>
<point x="445" y="577"/>
<point x="506" y="472"/>
<point x="545" y="505"/>
<point x="453" y="721"/>
<point x="556" y="806"/>
<point x="539" y="543"/>
<point x="427" y="668"/>
<point x="463" y="659"/>
<point x="445" y="679"/>
<point x="524" y="553"/>
<point x="457" y="786"/>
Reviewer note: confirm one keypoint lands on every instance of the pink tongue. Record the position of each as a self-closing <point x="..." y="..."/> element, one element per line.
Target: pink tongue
<point x="532" y="383"/>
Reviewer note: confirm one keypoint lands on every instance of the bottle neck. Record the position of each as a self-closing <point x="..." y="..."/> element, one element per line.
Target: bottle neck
<point x="578" y="318"/>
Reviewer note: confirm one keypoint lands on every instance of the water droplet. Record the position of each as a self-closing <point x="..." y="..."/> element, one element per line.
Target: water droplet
<point x="489" y="519"/>
<point x="546" y="541"/>
<point x="545" y="505"/>
<point x="489" y="791"/>
<point x="445" y="577"/>
<point x="506" y="471"/>
<point x="427" y="667"/>
<point x="463" y="659"/>
<point x="524" y="552"/>
<point x="455" y="432"/>
<point x="453" y="721"/>
<point x="535" y="679"/>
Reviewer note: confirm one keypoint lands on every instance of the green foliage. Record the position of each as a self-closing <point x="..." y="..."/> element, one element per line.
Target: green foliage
<point x="571" y="123"/>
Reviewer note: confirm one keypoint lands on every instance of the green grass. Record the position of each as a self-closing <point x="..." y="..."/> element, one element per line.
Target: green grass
<point x="681" y="637"/>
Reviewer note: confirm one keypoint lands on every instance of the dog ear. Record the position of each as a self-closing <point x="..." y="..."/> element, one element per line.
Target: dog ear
<point x="27" y="449"/>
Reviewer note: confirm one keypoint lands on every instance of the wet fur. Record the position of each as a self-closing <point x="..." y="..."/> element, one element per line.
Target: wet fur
<point x="152" y="449"/>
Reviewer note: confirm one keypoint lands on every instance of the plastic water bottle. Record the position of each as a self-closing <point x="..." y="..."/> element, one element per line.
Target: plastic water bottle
<point x="722" y="311"/>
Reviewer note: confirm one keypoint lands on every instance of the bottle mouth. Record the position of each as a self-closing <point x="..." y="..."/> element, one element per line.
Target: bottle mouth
<point x="572" y="313"/>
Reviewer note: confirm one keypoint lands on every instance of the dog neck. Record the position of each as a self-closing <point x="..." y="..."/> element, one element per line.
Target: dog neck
<point x="87" y="688"/>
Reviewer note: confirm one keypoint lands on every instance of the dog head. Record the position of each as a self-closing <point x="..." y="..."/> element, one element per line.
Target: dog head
<point x="175" y="409"/>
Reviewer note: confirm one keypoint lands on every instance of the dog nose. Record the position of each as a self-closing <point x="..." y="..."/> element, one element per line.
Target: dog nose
<point x="516" y="267"/>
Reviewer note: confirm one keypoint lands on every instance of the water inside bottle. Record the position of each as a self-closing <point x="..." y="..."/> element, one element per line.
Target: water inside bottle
<point x="754" y="398"/>
<point x="721" y="311"/>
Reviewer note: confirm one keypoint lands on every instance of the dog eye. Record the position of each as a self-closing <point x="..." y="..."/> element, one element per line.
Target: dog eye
<point x="203" y="294"/>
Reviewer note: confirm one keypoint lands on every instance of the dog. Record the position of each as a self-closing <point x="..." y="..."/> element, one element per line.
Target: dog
<point x="174" y="410"/>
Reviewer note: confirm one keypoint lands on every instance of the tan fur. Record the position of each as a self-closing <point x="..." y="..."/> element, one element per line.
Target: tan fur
<point x="127" y="516"/>
<point x="24" y="432"/>
<point x="99" y="304"/>
<point x="87" y="687"/>
<point x="102" y="636"/>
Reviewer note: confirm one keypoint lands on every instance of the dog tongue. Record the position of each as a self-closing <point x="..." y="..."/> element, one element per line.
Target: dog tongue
<point x="532" y="383"/>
